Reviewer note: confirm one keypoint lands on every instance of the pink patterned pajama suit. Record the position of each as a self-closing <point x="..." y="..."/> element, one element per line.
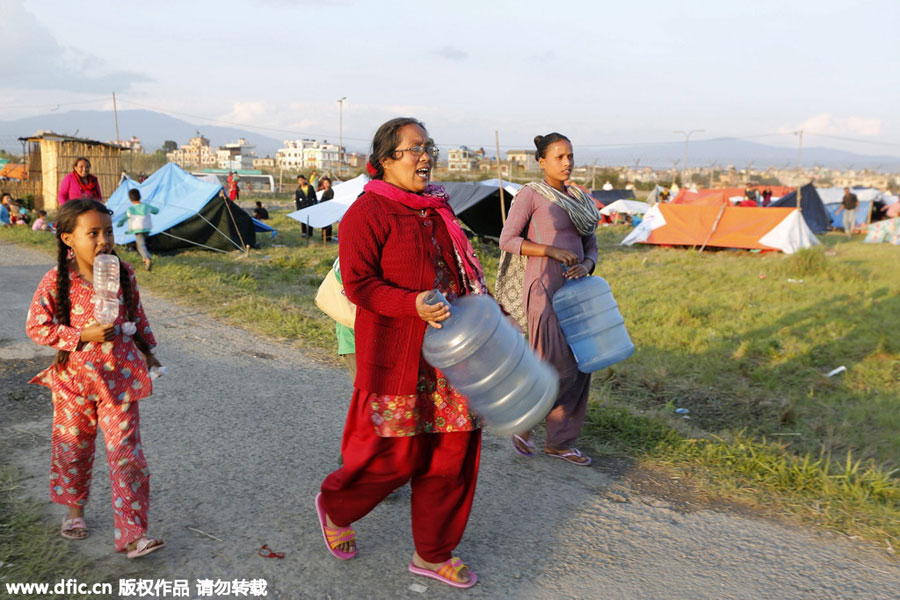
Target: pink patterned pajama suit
<point x="99" y="386"/>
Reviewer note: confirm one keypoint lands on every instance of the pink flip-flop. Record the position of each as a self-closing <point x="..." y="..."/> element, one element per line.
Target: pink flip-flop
<point x="70" y="526"/>
<point x="445" y="573"/>
<point x="335" y="536"/>
<point x="144" y="547"/>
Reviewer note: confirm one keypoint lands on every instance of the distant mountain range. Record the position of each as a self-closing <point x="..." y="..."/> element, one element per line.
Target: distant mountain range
<point x="153" y="128"/>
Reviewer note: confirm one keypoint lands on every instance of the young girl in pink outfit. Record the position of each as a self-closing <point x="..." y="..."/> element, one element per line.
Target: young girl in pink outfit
<point x="99" y="374"/>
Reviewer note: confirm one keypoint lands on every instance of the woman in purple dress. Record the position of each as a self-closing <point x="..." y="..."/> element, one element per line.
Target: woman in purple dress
<point x="552" y="224"/>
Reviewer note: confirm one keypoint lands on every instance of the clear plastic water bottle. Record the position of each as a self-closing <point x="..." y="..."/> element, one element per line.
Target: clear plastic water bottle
<point x="106" y="288"/>
<point x="590" y="319"/>
<point x="488" y="361"/>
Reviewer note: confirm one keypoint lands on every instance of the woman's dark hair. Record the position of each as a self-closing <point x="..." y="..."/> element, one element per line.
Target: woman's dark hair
<point x="78" y="160"/>
<point x="541" y="142"/>
<point x="385" y="142"/>
<point x="66" y="220"/>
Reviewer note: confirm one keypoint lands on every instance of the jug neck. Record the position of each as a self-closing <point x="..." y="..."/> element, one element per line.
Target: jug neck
<point x="435" y="297"/>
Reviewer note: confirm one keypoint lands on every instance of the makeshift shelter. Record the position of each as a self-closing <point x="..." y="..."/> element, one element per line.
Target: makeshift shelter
<point x="887" y="231"/>
<point x="50" y="157"/>
<point x="814" y="213"/>
<point x="191" y="213"/>
<point x="330" y="212"/>
<point x="625" y="207"/>
<point x="476" y="204"/>
<point x="723" y="227"/>
<point x="831" y="198"/>
<point x="14" y="171"/>
<point x="606" y="197"/>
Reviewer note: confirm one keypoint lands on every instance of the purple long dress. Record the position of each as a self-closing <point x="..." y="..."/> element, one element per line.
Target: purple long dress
<point x="549" y="224"/>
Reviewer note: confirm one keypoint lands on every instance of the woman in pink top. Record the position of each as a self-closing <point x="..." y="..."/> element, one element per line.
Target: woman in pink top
<point x="79" y="183"/>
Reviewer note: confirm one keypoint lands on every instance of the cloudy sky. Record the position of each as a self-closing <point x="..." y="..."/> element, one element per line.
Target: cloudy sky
<point x="601" y="72"/>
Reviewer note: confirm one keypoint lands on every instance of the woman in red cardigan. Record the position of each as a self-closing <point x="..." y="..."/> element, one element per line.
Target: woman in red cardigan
<point x="399" y="240"/>
<point x="79" y="183"/>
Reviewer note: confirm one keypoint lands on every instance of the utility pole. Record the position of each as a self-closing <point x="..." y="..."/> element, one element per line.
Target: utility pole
<point x="341" y="136"/>
<point x="687" y="136"/>
<point x="116" y="117"/>
<point x="799" y="168"/>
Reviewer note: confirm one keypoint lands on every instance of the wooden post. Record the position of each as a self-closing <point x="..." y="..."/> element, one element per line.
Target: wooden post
<point x="500" y="178"/>
<point x="800" y="168"/>
<point x="869" y="216"/>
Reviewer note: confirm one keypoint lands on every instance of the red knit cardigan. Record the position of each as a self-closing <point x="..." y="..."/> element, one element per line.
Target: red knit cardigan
<point x="387" y="259"/>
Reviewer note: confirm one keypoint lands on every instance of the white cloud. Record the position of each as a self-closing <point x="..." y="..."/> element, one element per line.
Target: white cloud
<point x="33" y="59"/>
<point x="828" y="124"/>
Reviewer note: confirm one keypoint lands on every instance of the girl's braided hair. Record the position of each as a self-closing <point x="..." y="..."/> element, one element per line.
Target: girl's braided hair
<point x="66" y="220"/>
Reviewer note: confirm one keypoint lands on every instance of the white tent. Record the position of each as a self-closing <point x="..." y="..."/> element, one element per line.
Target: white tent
<point x="625" y="207"/>
<point x="330" y="212"/>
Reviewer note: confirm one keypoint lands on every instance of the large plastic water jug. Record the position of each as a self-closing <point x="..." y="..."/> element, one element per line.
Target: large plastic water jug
<point x="106" y="288"/>
<point x="488" y="361"/>
<point x="592" y="323"/>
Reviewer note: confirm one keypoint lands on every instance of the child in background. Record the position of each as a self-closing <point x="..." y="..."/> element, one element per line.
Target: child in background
<point x="140" y="224"/>
<point x="40" y="224"/>
<point x="99" y="374"/>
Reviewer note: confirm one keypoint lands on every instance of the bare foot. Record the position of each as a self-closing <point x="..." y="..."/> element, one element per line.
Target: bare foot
<point x="463" y="575"/>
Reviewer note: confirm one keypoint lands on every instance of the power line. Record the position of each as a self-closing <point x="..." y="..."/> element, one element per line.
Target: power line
<point x="56" y="104"/>
<point x="856" y="140"/>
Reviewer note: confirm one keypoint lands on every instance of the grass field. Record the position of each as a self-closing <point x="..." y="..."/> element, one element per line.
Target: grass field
<point x="741" y="340"/>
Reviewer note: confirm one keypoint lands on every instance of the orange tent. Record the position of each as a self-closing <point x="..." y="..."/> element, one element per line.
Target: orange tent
<point x="715" y="196"/>
<point x="13" y="171"/>
<point x="739" y="227"/>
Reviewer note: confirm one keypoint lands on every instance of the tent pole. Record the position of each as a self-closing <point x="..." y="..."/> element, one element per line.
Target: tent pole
<point x="715" y="226"/>
<point x="869" y="216"/>
<point x="500" y="178"/>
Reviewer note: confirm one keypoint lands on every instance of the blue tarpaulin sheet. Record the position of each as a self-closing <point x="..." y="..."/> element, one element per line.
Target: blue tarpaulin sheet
<point x="177" y="194"/>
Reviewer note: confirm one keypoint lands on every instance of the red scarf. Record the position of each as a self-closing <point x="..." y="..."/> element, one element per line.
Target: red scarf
<point x="435" y="197"/>
<point x="88" y="185"/>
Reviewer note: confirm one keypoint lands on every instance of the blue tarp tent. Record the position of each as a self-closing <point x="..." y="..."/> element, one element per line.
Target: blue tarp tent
<point x="191" y="212"/>
<point x="814" y="213"/>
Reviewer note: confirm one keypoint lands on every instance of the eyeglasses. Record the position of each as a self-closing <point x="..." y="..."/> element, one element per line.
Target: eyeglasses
<point x="418" y="151"/>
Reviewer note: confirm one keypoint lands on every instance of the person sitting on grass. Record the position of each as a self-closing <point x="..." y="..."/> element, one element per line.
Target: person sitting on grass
<point x="140" y="224"/>
<point x="260" y="212"/>
<point x="40" y="224"/>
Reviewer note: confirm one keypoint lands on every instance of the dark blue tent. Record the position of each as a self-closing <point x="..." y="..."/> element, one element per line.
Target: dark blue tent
<point x="605" y="197"/>
<point x="811" y="207"/>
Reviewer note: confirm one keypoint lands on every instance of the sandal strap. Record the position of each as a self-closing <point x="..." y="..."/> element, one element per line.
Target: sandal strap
<point x="144" y="543"/>
<point x="74" y="524"/>
<point x="450" y="569"/>
<point x="338" y="536"/>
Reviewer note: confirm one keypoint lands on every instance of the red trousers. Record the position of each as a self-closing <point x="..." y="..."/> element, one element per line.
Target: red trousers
<point x="441" y="467"/>
<point x="72" y="460"/>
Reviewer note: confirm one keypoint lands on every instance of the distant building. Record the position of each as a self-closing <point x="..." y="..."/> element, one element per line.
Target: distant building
<point x="263" y="163"/>
<point x="490" y="167"/>
<point x="196" y="153"/>
<point x="235" y="155"/>
<point x="308" y="154"/>
<point x="461" y="159"/>
<point x="523" y="158"/>
<point x="134" y="144"/>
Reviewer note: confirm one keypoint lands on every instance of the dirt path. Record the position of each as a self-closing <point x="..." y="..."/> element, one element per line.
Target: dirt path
<point x="242" y="430"/>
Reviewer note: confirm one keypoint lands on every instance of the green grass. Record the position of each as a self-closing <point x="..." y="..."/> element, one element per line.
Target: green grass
<point x="742" y="340"/>
<point x="31" y="551"/>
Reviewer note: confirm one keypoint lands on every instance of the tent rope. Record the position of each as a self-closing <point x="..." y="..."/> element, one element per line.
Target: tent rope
<point x="193" y="242"/>
<point x="236" y="228"/>
<point x="220" y="231"/>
